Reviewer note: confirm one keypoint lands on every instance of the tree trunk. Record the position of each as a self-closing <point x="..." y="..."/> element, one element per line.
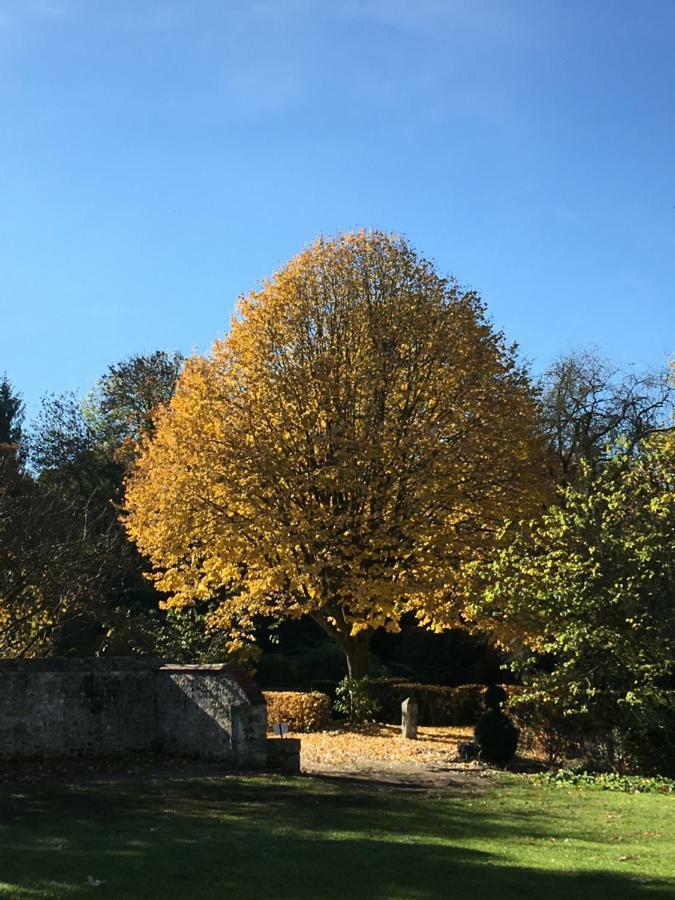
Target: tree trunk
<point x="357" y="650"/>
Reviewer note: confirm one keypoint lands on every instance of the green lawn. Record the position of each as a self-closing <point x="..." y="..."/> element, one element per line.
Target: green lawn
<point x="266" y="836"/>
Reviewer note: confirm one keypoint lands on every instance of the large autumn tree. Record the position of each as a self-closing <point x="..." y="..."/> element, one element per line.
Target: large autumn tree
<point x="359" y="435"/>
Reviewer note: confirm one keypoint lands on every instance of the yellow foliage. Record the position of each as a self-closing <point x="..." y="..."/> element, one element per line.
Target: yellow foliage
<point x="301" y="711"/>
<point x="359" y="435"/>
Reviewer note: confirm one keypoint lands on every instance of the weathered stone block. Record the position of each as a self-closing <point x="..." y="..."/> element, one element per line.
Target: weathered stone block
<point x="409" y="718"/>
<point x="284" y="754"/>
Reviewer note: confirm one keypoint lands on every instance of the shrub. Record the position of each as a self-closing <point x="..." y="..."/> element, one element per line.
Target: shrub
<point x="497" y="737"/>
<point x="468" y="751"/>
<point x="546" y="726"/>
<point x="644" y="739"/>
<point x="302" y="711"/>
<point x="606" y="781"/>
<point x="354" y="699"/>
<point x="639" y="740"/>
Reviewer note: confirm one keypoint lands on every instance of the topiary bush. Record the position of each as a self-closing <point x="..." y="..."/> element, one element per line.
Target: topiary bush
<point x="302" y="711"/>
<point x="496" y="737"/>
<point x="495" y="734"/>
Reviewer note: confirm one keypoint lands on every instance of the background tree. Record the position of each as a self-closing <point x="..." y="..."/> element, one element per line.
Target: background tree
<point x="93" y="442"/>
<point x="96" y="594"/>
<point x="359" y="435"/>
<point x="11" y="414"/>
<point x="590" y="405"/>
<point x="588" y="592"/>
<point x="56" y="560"/>
<point x="65" y="449"/>
<point x="121" y="408"/>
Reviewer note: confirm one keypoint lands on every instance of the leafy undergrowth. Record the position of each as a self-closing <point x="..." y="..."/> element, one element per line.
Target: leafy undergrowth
<point x="608" y="781"/>
<point x="291" y="838"/>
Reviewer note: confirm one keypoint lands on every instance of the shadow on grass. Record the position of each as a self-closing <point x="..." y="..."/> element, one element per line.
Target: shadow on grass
<point x="403" y="782"/>
<point x="283" y="838"/>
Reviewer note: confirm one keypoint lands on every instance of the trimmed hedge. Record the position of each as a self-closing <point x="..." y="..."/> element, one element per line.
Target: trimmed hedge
<point x="302" y="711"/>
<point x="438" y="705"/>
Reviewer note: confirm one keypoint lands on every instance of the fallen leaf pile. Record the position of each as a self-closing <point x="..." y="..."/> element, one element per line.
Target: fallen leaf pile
<point x="380" y="747"/>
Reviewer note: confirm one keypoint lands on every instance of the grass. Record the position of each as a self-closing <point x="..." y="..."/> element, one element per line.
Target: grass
<point x="291" y="838"/>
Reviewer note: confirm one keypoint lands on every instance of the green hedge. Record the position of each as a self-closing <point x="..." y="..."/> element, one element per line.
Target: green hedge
<point x="438" y="705"/>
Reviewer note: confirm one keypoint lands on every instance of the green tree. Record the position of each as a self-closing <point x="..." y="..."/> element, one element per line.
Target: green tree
<point x="122" y="407"/>
<point x="57" y="558"/>
<point x="11" y="414"/>
<point x="70" y="581"/>
<point x="79" y="454"/>
<point x="584" y="596"/>
<point x="64" y="449"/>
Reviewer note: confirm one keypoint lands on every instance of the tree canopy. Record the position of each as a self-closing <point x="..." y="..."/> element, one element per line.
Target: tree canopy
<point x="11" y="414"/>
<point x="584" y="595"/>
<point x="57" y="558"/>
<point x="69" y="578"/>
<point x="591" y="408"/>
<point x="359" y="435"/>
<point x="122" y="406"/>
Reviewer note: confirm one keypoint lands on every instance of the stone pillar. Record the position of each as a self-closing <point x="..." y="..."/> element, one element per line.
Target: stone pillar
<point x="409" y="718"/>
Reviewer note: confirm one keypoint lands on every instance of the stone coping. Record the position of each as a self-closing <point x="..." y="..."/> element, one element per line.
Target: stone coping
<point x="82" y="664"/>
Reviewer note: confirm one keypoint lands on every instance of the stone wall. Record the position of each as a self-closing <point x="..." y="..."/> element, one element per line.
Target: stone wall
<point x="201" y="709"/>
<point x="66" y="707"/>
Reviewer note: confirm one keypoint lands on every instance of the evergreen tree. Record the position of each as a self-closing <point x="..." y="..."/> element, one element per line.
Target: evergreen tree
<point x="11" y="413"/>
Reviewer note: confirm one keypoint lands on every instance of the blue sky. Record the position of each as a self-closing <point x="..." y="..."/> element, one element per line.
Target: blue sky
<point x="157" y="159"/>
